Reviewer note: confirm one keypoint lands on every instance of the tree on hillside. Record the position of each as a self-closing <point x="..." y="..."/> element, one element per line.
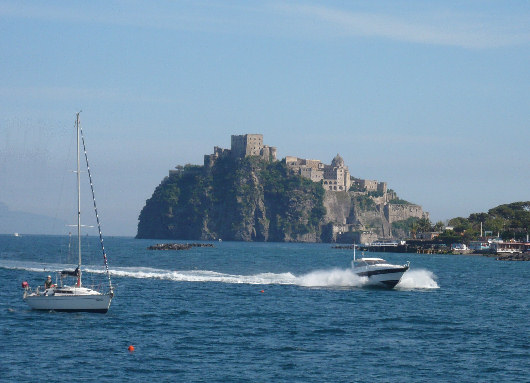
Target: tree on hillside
<point x="478" y="217"/>
<point x="439" y="226"/>
<point x="460" y="224"/>
<point x="510" y="221"/>
<point x="423" y="225"/>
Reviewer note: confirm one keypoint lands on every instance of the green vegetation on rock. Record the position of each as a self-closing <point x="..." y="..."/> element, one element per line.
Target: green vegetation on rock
<point x="397" y="201"/>
<point x="364" y="202"/>
<point x="245" y="199"/>
<point x="509" y="220"/>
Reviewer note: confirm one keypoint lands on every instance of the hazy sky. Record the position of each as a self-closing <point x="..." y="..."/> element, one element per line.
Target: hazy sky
<point x="431" y="97"/>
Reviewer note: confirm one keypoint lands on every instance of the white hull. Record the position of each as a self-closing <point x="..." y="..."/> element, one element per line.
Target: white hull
<point x="92" y="302"/>
<point x="387" y="280"/>
<point x="379" y="272"/>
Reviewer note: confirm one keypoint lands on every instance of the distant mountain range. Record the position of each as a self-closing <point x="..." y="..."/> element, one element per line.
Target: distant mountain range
<point x="28" y="223"/>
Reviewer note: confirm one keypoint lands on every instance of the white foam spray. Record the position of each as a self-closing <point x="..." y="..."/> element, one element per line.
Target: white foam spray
<point x="331" y="278"/>
<point x="418" y="279"/>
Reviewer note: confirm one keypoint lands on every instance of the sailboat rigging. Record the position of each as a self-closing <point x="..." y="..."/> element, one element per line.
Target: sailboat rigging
<point x="77" y="297"/>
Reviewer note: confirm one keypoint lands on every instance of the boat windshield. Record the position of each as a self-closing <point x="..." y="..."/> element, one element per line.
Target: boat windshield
<point x="370" y="262"/>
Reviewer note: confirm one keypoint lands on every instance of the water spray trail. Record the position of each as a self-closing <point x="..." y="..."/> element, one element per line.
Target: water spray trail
<point x="332" y="278"/>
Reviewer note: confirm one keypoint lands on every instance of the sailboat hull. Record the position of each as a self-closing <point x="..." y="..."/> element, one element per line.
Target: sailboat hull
<point x="76" y="303"/>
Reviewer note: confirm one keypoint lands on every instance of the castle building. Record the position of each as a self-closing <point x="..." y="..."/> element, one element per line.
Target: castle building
<point x="311" y="169"/>
<point x="251" y="145"/>
<point x="337" y="175"/>
<point x="334" y="177"/>
<point x="371" y="186"/>
<point x="243" y="146"/>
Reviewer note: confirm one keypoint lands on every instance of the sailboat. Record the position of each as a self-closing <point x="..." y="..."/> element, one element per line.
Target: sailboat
<point x="77" y="297"/>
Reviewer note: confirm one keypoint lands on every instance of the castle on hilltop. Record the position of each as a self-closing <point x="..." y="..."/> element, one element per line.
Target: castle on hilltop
<point x="243" y="146"/>
<point x="356" y="210"/>
<point x="334" y="177"/>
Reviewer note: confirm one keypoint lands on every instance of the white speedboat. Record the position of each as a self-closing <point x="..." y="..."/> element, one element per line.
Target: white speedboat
<point x="378" y="271"/>
<point x="61" y="297"/>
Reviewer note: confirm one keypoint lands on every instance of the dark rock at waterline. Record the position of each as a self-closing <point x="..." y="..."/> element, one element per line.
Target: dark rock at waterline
<point x="514" y="257"/>
<point x="178" y="246"/>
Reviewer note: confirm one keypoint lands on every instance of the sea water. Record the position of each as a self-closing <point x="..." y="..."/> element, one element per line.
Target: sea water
<point x="264" y="312"/>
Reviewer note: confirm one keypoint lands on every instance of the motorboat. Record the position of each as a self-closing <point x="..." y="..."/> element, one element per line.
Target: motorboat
<point x="378" y="271"/>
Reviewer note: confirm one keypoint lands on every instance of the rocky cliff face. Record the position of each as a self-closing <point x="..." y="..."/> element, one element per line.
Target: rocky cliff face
<point x="358" y="217"/>
<point x="236" y="199"/>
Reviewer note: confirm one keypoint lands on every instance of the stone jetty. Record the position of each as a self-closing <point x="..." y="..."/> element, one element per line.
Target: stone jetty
<point x="178" y="246"/>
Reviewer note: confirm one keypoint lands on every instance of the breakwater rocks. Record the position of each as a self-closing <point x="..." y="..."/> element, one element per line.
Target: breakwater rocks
<point x="514" y="257"/>
<point x="178" y="246"/>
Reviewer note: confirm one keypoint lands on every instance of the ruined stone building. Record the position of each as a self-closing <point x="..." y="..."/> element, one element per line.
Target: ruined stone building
<point x="371" y="186"/>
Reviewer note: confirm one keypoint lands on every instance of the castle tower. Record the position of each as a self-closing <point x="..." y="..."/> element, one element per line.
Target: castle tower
<point x="246" y="145"/>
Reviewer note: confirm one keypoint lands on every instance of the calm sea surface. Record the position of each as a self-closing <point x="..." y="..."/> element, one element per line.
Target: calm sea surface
<point x="201" y="316"/>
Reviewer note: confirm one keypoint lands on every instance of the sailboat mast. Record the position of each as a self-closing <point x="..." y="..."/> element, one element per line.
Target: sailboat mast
<point x="78" y="204"/>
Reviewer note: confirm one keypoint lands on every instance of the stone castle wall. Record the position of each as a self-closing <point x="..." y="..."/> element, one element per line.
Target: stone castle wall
<point x="402" y="212"/>
<point x="347" y="217"/>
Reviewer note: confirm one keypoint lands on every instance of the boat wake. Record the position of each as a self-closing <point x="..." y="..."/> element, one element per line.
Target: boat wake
<point x="332" y="278"/>
<point x="418" y="279"/>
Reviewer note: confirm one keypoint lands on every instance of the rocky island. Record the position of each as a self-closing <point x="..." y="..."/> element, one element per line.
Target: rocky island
<point x="245" y="194"/>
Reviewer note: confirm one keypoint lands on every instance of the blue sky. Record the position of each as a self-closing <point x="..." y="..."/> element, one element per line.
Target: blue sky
<point x="431" y="97"/>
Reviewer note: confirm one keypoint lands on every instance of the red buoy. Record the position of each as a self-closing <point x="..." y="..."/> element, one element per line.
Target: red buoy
<point x="131" y="348"/>
<point x="262" y="291"/>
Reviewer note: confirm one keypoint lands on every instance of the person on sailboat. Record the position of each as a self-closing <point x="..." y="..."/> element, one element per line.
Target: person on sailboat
<point x="49" y="282"/>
